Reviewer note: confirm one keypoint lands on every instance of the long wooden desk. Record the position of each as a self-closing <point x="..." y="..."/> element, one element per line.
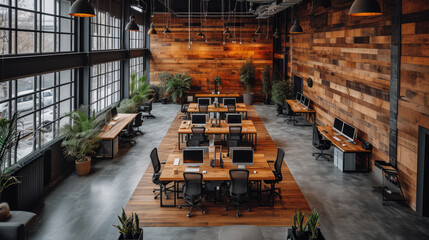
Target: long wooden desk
<point x="222" y="95"/>
<point x="328" y="133"/>
<point x="260" y="165"/>
<point x="248" y="129"/>
<point x="240" y="108"/>
<point x="297" y="107"/>
<point x="110" y="132"/>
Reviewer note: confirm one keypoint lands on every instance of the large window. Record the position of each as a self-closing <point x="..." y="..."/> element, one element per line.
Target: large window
<point x="106" y="25"/>
<point x="105" y="85"/>
<point x="35" y="26"/>
<point x="137" y="66"/>
<point x="42" y="103"/>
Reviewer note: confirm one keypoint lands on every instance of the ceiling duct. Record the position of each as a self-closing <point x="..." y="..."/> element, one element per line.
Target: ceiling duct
<point x="268" y="10"/>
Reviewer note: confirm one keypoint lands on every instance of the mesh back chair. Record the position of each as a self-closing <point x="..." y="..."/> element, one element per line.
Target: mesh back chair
<point x="203" y="108"/>
<point x="277" y="173"/>
<point x="320" y="144"/>
<point x="238" y="188"/>
<point x="198" y="133"/>
<point x="138" y="122"/>
<point x="156" y="164"/>
<point x="127" y="134"/>
<point x="193" y="143"/>
<point x="288" y="112"/>
<point x="231" y="143"/>
<point x="192" y="191"/>
<point x="146" y="110"/>
<point x="184" y="110"/>
<point x="231" y="108"/>
<point x="234" y="133"/>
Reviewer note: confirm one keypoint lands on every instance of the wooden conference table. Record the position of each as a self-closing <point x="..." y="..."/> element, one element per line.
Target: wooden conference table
<point x="240" y="108"/>
<point x="260" y="165"/>
<point x="297" y="107"/>
<point x="248" y="129"/>
<point x="109" y="133"/>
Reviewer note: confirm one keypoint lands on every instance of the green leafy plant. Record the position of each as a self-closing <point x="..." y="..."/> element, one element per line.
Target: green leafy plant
<point x="247" y="75"/>
<point x="133" y="83"/>
<point x="298" y="220"/>
<point x="155" y="92"/>
<point x="9" y="139"/>
<point x="81" y="138"/>
<point x="281" y="91"/>
<point x="126" y="225"/>
<point x="136" y="225"/>
<point x="266" y="81"/>
<point x="312" y="223"/>
<point x="178" y="85"/>
<point x="128" y="106"/>
<point x="143" y="90"/>
<point x="217" y="82"/>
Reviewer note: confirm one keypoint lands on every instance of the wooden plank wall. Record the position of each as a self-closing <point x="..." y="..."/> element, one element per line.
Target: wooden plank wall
<point x="413" y="106"/>
<point x="348" y="59"/>
<point x="204" y="61"/>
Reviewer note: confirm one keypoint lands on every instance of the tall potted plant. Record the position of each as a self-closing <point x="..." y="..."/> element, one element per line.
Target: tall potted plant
<point x="142" y="92"/>
<point x="247" y="77"/>
<point x="217" y="82"/>
<point x="266" y="83"/>
<point x="81" y="139"/>
<point x="164" y="77"/>
<point x="177" y="85"/>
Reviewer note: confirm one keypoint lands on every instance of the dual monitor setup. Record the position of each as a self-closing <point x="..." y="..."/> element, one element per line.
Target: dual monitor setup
<point x="226" y="101"/>
<point x="303" y="99"/>
<point x="194" y="156"/>
<point x="344" y="129"/>
<point x="231" y="119"/>
<point x="111" y="114"/>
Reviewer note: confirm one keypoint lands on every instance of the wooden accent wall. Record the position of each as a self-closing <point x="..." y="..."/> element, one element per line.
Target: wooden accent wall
<point x="348" y="59"/>
<point x="204" y="61"/>
<point x="413" y="106"/>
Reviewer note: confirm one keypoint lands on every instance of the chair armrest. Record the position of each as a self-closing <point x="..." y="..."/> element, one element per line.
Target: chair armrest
<point x="12" y="231"/>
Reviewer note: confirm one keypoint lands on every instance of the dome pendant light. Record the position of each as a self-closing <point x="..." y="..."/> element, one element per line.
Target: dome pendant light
<point x="166" y="30"/>
<point x="226" y="31"/>
<point x="276" y="34"/>
<point x="132" y="25"/>
<point x="82" y="8"/>
<point x="296" y="28"/>
<point x="152" y="29"/>
<point x="365" y="8"/>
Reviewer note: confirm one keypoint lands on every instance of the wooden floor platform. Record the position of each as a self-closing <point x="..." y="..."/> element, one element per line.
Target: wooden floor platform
<point x="152" y="215"/>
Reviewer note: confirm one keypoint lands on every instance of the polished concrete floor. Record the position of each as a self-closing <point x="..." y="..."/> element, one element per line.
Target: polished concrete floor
<point x="86" y="207"/>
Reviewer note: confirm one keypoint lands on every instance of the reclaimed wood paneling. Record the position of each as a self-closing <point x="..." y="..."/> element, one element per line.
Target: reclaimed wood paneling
<point x="205" y="60"/>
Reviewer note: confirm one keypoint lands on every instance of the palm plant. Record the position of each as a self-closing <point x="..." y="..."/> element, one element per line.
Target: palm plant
<point x="81" y="138"/>
<point x="247" y="75"/>
<point x="9" y="139"/>
<point x="178" y="85"/>
<point x="143" y="90"/>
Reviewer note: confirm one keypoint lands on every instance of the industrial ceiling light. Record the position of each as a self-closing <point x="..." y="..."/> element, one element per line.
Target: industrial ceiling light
<point x="365" y="8"/>
<point x="276" y="34"/>
<point x="296" y="28"/>
<point x="166" y="30"/>
<point x="230" y="35"/>
<point x="226" y="31"/>
<point x="132" y="25"/>
<point x="258" y="31"/>
<point x="82" y="8"/>
<point x="152" y="29"/>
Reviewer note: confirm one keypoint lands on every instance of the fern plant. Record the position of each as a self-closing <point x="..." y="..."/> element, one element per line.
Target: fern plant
<point x="128" y="106"/>
<point x="179" y="84"/>
<point x="81" y="138"/>
<point x="247" y="75"/>
<point x="143" y="90"/>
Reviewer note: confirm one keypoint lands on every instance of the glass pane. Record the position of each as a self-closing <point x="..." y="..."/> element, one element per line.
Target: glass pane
<point x="65" y="107"/>
<point x="4" y="17"/>
<point x="28" y="4"/>
<point x="65" y="43"/>
<point x="93" y="96"/>
<point x="25" y="85"/>
<point x="4" y="42"/>
<point x="65" y="76"/>
<point x="48" y="42"/>
<point x="64" y="121"/>
<point x="25" y="20"/>
<point x="48" y="6"/>
<point x="65" y="8"/>
<point x="25" y="146"/>
<point x="46" y="133"/>
<point x="25" y="42"/>
<point x="4" y="90"/>
<point x="48" y="80"/>
<point x="4" y="110"/>
<point x="47" y="97"/>
<point x="66" y="25"/>
<point x="48" y="23"/>
<point x="65" y="91"/>
<point x="25" y="104"/>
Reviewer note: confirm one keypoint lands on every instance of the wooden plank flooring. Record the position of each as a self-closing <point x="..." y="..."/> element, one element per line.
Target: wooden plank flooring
<point x="152" y="215"/>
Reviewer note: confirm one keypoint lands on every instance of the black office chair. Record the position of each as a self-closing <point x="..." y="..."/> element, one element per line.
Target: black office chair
<point x="138" y="122"/>
<point x="156" y="164"/>
<point x="192" y="191"/>
<point x="146" y="110"/>
<point x="184" y="110"/>
<point x="235" y="133"/>
<point x="238" y="188"/>
<point x="287" y="111"/>
<point x="203" y="108"/>
<point x="193" y="143"/>
<point x="198" y="133"/>
<point x="320" y="144"/>
<point x="126" y="135"/>
<point x="277" y="173"/>
<point x="279" y="109"/>
<point x="231" y="109"/>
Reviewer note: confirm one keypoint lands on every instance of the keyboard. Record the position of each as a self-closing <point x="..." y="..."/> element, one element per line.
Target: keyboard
<point x="111" y="124"/>
<point x="339" y="140"/>
<point x="192" y="170"/>
<point x="176" y="161"/>
<point x="116" y="118"/>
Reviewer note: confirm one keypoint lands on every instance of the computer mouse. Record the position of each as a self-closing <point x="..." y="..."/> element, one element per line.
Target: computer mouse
<point x="204" y="172"/>
<point x="344" y="145"/>
<point x="254" y="172"/>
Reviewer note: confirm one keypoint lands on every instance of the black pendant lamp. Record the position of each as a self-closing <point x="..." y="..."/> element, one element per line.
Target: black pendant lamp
<point x="152" y="29"/>
<point x="258" y="31"/>
<point x="276" y="34"/>
<point x="226" y="31"/>
<point x="132" y="25"/>
<point x="230" y="35"/>
<point x="365" y="8"/>
<point x="82" y="8"/>
<point x="166" y="30"/>
<point x="296" y="28"/>
<point x="201" y="35"/>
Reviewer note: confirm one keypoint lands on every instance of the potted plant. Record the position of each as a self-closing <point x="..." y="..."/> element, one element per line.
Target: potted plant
<point x="217" y="82"/>
<point x="281" y="91"/>
<point x="128" y="106"/>
<point x="266" y="83"/>
<point x="81" y="139"/>
<point x="311" y="224"/>
<point x="163" y="79"/>
<point x="177" y="85"/>
<point x="142" y="92"/>
<point x="298" y="221"/>
<point x="247" y="77"/>
<point x="9" y="139"/>
<point x="129" y="227"/>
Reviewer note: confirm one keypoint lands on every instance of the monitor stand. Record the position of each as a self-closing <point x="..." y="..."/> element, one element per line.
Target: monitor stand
<point x="193" y="166"/>
<point x="241" y="166"/>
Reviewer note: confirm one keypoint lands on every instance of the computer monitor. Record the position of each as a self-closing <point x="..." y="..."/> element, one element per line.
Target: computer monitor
<point x="193" y="156"/>
<point x="306" y="102"/>
<point x="241" y="156"/>
<point x="338" y="126"/>
<point x="114" y="112"/>
<point x="303" y="99"/>
<point x="204" y="101"/>
<point x="298" y="96"/>
<point x="349" y="131"/>
<point x="108" y="117"/>
<point x="233" y="119"/>
<point x="199" y="119"/>
<point x="229" y="101"/>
